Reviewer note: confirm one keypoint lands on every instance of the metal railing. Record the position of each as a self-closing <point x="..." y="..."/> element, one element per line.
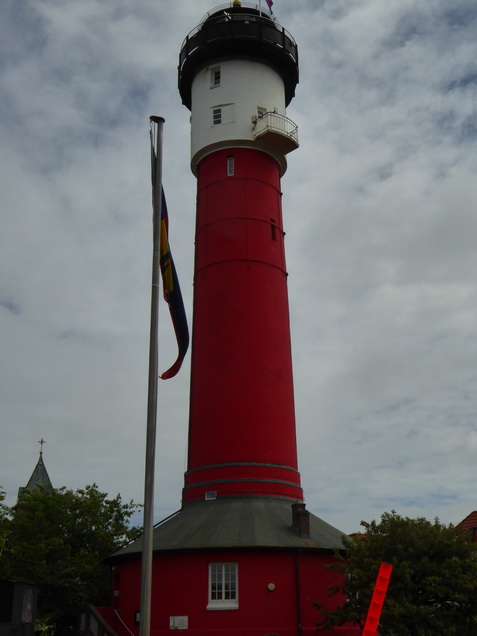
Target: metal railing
<point x="273" y="122"/>
<point x="246" y="5"/>
<point x="269" y="31"/>
<point x="241" y="31"/>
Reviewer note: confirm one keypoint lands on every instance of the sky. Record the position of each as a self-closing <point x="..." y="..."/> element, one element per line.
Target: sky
<point x="380" y="218"/>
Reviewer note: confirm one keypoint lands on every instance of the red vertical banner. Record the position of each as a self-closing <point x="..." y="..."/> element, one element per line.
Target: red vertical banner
<point x="377" y="600"/>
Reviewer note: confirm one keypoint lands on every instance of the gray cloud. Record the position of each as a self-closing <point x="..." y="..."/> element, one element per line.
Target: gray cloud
<point x="379" y="206"/>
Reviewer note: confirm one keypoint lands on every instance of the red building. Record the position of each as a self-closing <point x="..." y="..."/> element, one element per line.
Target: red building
<point x="242" y="556"/>
<point x="469" y="524"/>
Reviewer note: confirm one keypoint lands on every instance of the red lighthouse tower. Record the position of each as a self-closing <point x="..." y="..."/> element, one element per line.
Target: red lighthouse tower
<point x="237" y="73"/>
<point x="242" y="556"/>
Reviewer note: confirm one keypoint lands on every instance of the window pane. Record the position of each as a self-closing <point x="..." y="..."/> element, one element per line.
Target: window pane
<point x="216" y="116"/>
<point x="215" y="76"/>
<point x="229" y="581"/>
<point x="223" y="582"/>
<point x="216" y="582"/>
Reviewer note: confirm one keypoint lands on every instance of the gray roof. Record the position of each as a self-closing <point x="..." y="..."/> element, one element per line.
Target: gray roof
<point x="248" y="522"/>
<point x="39" y="477"/>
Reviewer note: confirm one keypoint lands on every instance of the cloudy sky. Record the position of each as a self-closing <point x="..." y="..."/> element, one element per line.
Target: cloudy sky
<point x="380" y="213"/>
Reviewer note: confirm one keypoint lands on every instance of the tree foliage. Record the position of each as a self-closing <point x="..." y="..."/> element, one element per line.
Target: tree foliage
<point x="58" y="539"/>
<point x="3" y="522"/>
<point x="433" y="587"/>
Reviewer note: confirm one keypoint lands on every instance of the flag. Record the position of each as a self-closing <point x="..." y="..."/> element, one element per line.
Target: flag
<point x="270" y="2"/>
<point x="377" y="600"/>
<point x="172" y="295"/>
<point x="170" y="284"/>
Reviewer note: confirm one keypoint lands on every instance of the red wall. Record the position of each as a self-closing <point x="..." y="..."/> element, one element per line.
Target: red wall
<point x="180" y="588"/>
<point x="241" y="403"/>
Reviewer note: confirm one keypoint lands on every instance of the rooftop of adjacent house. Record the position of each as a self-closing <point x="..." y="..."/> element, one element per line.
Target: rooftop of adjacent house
<point x="248" y="522"/>
<point x="470" y="522"/>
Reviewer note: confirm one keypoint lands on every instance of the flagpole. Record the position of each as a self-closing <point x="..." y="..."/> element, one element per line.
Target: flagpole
<point x="147" y="548"/>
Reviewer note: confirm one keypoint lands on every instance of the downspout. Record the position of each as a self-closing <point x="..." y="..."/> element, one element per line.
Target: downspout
<point x="301" y="523"/>
<point x="298" y="592"/>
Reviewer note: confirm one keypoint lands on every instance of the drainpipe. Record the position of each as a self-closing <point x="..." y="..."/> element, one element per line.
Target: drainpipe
<point x="301" y="523"/>
<point x="298" y="592"/>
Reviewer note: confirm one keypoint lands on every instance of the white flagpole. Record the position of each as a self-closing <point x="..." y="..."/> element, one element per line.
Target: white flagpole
<point x="260" y="7"/>
<point x="147" y="537"/>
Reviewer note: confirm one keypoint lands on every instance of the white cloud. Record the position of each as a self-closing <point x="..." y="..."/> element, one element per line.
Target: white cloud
<point x="379" y="212"/>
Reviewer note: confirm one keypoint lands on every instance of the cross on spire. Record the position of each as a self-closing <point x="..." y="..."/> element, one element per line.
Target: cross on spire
<point x="41" y="442"/>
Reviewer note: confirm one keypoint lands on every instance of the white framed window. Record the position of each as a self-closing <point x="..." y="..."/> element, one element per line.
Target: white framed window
<point x="230" y="166"/>
<point x="216" y="116"/>
<point x="215" y="77"/>
<point x="223" y="586"/>
<point x="223" y="114"/>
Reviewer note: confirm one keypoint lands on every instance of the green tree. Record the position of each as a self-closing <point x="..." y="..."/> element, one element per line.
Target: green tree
<point x="433" y="586"/>
<point x="58" y="540"/>
<point x="4" y="513"/>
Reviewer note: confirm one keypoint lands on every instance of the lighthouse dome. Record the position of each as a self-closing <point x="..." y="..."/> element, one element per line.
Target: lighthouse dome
<point x="238" y="30"/>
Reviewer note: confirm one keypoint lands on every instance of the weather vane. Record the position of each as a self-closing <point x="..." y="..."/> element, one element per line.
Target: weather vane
<point x="41" y="442"/>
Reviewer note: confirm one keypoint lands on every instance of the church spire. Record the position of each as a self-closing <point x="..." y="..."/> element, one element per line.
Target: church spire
<point x="39" y="476"/>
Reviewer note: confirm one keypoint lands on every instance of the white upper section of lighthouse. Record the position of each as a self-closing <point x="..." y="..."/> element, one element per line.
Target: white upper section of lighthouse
<point x="228" y="97"/>
<point x="237" y="74"/>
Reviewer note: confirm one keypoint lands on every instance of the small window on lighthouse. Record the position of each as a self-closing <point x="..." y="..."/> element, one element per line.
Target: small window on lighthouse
<point x="223" y="586"/>
<point x="223" y="114"/>
<point x="230" y="166"/>
<point x="215" y="77"/>
<point x="273" y="229"/>
<point x="216" y="116"/>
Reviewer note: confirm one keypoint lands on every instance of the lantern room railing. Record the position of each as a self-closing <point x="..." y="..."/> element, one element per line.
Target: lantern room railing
<point x="238" y="25"/>
<point x="257" y="6"/>
<point x="238" y="30"/>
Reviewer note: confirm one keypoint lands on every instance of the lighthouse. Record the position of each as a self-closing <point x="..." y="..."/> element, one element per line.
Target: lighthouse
<point x="237" y="74"/>
<point x="243" y="555"/>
